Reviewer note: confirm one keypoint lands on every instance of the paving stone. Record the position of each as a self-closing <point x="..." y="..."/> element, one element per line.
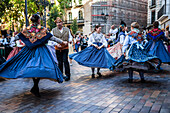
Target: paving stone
<point x="81" y="94"/>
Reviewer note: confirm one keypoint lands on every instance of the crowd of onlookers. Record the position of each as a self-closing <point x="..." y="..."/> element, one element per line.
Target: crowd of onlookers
<point x="6" y="45"/>
<point x="80" y="41"/>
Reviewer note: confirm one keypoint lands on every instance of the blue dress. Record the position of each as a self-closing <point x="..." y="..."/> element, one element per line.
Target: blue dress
<point x="156" y="47"/>
<point x="138" y="59"/>
<point x="34" y="60"/>
<point x="93" y="57"/>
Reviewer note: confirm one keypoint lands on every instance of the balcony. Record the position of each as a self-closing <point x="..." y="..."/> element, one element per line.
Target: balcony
<point x="79" y="4"/>
<point x="69" y="22"/>
<point x="162" y="13"/>
<point x="79" y="21"/>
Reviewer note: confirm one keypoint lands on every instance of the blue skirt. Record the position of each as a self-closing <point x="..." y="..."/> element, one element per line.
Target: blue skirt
<point x="28" y="63"/>
<point x="159" y="50"/>
<point x="93" y="57"/>
<point x="138" y="59"/>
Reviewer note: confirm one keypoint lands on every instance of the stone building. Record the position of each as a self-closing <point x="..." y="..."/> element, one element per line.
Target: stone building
<point x="159" y="10"/>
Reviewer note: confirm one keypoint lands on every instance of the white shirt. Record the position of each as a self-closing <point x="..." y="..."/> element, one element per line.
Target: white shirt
<point x="113" y="31"/>
<point x="12" y="43"/>
<point x="18" y="44"/>
<point x="95" y="37"/>
<point x="113" y="37"/>
<point x="128" y="41"/>
<point x="52" y="43"/>
<point x="5" y="41"/>
<point x="70" y="38"/>
<point x="122" y="38"/>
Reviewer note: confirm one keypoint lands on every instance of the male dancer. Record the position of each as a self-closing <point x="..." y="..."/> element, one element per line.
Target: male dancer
<point x="62" y="51"/>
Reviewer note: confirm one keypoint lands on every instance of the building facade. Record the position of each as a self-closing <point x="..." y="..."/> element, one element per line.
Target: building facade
<point x="109" y="12"/>
<point x="106" y="13"/>
<point x="159" y="10"/>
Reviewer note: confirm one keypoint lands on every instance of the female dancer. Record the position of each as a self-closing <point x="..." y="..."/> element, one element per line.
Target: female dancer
<point x="155" y="45"/>
<point x="137" y="57"/>
<point x="96" y="55"/>
<point x="116" y="50"/>
<point x="34" y="60"/>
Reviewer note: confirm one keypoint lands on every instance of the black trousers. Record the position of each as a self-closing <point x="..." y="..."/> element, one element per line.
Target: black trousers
<point x="62" y="57"/>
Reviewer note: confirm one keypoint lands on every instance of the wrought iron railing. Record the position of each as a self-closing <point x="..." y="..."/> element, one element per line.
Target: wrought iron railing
<point x="78" y="21"/>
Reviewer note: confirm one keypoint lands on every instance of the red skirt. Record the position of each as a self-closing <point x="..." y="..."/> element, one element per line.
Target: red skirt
<point x="13" y="52"/>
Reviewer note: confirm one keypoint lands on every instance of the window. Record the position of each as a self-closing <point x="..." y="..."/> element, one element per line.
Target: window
<point x="70" y="16"/>
<point x="152" y="16"/>
<point x="80" y="15"/>
<point x="153" y="2"/>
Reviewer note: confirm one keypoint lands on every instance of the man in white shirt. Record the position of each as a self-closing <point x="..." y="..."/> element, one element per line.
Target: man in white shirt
<point x="62" y="51"/>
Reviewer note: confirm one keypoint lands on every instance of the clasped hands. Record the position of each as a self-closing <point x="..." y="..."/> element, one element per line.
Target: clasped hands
<point x="62" y="45"/>
<point x="96" y="46"/>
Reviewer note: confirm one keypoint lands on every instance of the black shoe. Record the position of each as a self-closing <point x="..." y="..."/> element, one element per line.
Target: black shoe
<point x="100" y="75"/>
<point x="143" y="80"/>
<point x="35" y="91"/>
<point x="67" y="78"/>
<point x="130" y="80"/>
<point x="64" y="77"/>
<point x="93" y="76"/>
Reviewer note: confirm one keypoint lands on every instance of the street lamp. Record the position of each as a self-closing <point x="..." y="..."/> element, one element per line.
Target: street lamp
<point x="26" y="13"/>
<point x="105" y="17"/>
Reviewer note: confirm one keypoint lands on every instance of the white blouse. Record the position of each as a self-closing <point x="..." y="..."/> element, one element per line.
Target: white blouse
<point x="128" y="41"/>
<point x="97" y="37"/>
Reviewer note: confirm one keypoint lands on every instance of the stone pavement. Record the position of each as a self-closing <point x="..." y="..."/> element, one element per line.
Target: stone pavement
<point x="110" y="94"/>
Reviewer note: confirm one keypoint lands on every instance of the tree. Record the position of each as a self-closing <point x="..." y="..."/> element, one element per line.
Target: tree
<point x="74" y="26"/>
<point x="14" y="10"/>
<point x="53" y="14"/>
<point x="4" y="4"/>
<point x="64" y="4"/>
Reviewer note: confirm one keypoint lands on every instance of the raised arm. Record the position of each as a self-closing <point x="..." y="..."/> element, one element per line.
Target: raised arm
<point x="55" y="39"/>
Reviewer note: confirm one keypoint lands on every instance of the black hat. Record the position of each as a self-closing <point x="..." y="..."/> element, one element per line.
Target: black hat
<point x="123" y="23"/>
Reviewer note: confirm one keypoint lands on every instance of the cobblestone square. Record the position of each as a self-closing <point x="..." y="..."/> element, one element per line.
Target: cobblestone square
<point x="110" y="94"/>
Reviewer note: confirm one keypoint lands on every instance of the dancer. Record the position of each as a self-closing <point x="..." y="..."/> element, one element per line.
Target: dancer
<point x="96" y="55"/>
<point x="155" y="45"/>
<point x="62" y="51"/>
<point x="34" y="60"/>
<point x="116" y="50"/>
<point x="137" y="58"/>
<point x="19" y="46"/>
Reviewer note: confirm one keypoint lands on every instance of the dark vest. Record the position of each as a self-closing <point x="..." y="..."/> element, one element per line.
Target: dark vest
<point x="63" y="36"/>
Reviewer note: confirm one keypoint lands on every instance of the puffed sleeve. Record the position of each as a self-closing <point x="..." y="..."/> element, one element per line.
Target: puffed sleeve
<point x="104" y="41"/>
<point x="125" y="44"/>
<point x="90" y="41"/>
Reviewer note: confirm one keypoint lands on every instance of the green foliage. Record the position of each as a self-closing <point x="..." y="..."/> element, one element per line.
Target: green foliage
<point x="13" y="11"/>
<point x="4" y="4"/>
<point x="53" y="14"/>
<point x="64" y="4"/>
<point x="74" y="26"/>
